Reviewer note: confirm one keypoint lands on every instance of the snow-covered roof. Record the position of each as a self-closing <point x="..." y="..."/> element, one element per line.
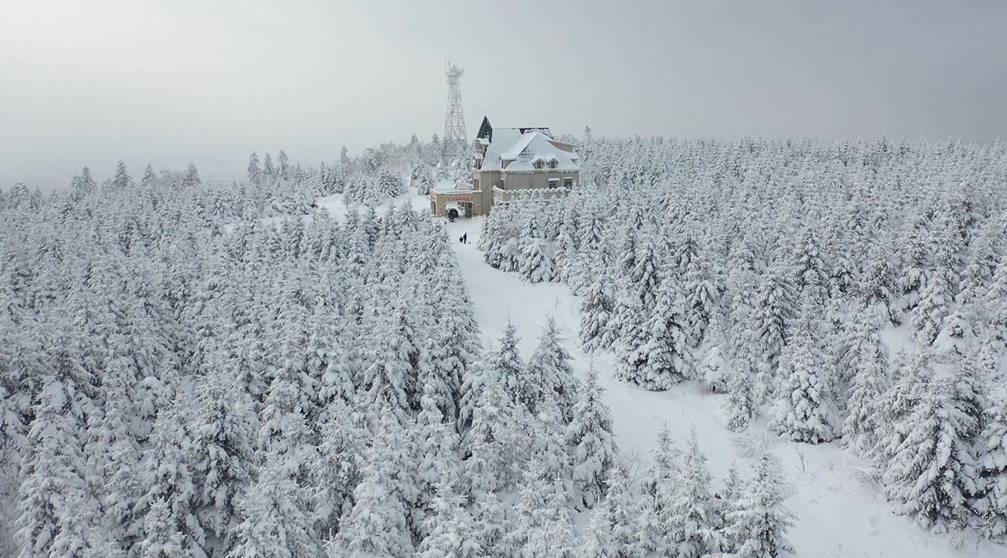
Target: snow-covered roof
<point x="517" y="149"/>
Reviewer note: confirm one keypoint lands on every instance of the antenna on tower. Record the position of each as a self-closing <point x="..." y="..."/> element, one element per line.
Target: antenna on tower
<point x="456" y="140"/>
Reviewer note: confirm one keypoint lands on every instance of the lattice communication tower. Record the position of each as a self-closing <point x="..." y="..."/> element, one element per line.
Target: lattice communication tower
<point x="456" y="141"/>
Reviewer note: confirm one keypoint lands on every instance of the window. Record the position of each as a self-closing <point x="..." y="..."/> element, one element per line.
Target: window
<point x="552" y="164"/>
<point x="538" y="164"/>
<point x="568" y="183"/>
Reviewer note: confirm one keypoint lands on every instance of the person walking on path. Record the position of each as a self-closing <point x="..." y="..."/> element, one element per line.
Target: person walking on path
<point x="465" y="238"/>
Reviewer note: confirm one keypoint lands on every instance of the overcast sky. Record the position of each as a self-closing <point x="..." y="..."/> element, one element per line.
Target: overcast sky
<point x="167" y="82"/>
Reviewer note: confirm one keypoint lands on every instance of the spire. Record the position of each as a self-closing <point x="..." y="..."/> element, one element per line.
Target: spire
<point x="485" y="130"/>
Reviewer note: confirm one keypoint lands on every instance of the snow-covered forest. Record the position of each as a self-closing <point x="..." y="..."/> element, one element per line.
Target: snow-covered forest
<point x="230" y="369"/>
<point x="196" y="369"/>
<point x="770" y="271"/>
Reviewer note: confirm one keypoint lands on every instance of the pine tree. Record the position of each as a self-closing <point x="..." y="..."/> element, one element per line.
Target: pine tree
<point x="121" y="180"/>
<point x="452" y="531"/>
<point x="191" y="177"/>
<point x="507" y="365"/>
<point x="149" y="178"/>
<point x="492" y="527"/>
<point x="337" y="470"/>
<point x="695" y="515"/>
<point x="221" y="454"/>
<point x="57" y="511"/>
<point x="254" y="172"/>
<point x="742" y="406"/>
<point x="933" y="307"/>
<point x="589" y="435"/>
<point x="659" y="354"/>
<point x="772" y="313"/>
<point x="806" y="410"/>
<point x="549" y="374"/>
<point x="931" y="473"/>
<point x="991" y="470"/>
<point x="758" y="522"/>
<point x="596" y="307"/>
<point x="538" y="261"/>
<point x="166" y="503"/>
<point x="378" y="525"/>
<point x="494" y="440"/>
<point x="276" y="521"/>
<point x="867" y="359"/>
<point x="284" y="165"/>
<point x="268" y="170"/>
<point x="612" y="532"/>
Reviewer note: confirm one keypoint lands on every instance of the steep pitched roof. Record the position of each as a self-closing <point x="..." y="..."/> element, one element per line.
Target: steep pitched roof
<point x="485" y="130"/>
<point x="517" y="149"/>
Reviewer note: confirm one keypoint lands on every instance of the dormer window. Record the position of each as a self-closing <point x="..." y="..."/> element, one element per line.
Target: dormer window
<point x="553" y="163"/>
<point x="539" y="164"/>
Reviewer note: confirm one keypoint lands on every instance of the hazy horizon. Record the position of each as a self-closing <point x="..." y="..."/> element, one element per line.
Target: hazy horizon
<point x="166" y="83"/>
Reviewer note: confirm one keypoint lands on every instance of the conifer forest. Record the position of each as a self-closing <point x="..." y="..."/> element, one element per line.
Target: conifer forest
<point x="195" y="368"/>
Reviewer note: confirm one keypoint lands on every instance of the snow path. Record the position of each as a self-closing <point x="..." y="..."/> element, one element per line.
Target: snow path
<point x="837" y="514"/>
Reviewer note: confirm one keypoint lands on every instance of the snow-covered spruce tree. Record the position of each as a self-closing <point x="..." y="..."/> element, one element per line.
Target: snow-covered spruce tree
<point x="549" y="374"/>
<point x="543" y="527"/>
<point x="492" y="526"/>
<point x="254" y="172"/>
<point x="506" y="365"/>
<point x="378" y="525"/>
<point x="390" y="375"/>
<point x="713" y="368"/>
<point x="811" y="275"/>
<point x="877" y="275"/>
<point x="438" y="448"/>
<point x="933" y="307"/>
<point x="389" y="185"/>
<point x="758" y="522"/>
<point x="56" y="510"/>
<point x="742" y="406"/>
<point x="191" y="177"/>
<point x="658" y="356"/>
<point x="149" y="178"/>
<point x="990" y="503"/>
<point x="166" y="503"/>
<point x="805" y="409"/>
<point x="772" y="311"/>
<point x="452" y="345"/>
<point x="276" y="521"/>
<point x="121" y="180"/>
<point x="913" y="376"/>
<point x="703" y="289"/>
<point x="932" y="471"/>
<point x="654" y="532"/>
<point x="538" y="256"/>
<point x="866" y="362"/>
<point x="336" y="471"/>
<point x="612" y="531"/>
<point x="450" y="527"/>
<point x="494" y="439"/>
<point x="695" y="515"/>
<point x="589" y="436"/>
<point x="596" y="306"/>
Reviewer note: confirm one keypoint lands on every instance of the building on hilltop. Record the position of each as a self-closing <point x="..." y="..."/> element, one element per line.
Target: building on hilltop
<point x="511" y="163"/>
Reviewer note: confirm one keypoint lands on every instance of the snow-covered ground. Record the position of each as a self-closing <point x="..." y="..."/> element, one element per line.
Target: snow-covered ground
<point x="838" y="513"/>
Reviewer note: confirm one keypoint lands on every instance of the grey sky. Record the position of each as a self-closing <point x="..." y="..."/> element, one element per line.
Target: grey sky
<point x="165" y="82"/>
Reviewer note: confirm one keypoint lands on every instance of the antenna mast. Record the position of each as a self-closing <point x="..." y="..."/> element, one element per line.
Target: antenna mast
<point x="456" y="140"/>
